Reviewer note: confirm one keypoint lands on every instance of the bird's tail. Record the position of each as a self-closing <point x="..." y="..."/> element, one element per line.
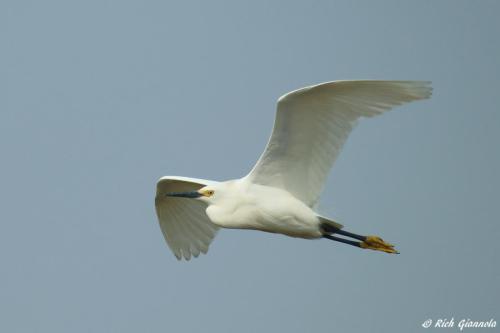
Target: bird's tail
<point x="325" y="223"/>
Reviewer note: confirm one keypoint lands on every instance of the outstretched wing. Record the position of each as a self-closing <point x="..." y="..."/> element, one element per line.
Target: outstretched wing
<point x="313" y="123"/>
<point x="184" y="223"/>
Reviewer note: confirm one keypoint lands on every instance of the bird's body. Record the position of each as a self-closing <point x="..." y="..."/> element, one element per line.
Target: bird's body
<point x="280" y="193"/>
<point x="245" y="205"/>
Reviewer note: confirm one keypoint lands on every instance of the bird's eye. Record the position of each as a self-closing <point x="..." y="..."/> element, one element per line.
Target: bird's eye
<point x="210" y="193"/>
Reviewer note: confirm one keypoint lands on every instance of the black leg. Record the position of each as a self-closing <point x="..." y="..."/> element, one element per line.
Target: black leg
<point x="350" y="234"/>
<point x="342" y="240"/>
<point x="332" y="229"/>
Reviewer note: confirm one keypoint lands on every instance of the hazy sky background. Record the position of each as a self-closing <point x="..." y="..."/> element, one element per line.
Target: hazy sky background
<point x="104" y="97"/>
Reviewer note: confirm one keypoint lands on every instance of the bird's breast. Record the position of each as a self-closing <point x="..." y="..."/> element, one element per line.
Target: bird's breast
<point x="227" y="216"/>
<point x="276" y="215"/>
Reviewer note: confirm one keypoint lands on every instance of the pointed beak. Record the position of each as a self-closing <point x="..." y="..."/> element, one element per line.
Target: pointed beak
<point x="193" y="194"/>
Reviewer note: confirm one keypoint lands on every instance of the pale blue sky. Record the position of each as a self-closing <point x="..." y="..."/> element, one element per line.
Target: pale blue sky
<point x="104" y="97"/>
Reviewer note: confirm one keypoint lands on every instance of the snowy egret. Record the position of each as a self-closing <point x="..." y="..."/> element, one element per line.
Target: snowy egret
<point x="280" y="193"/>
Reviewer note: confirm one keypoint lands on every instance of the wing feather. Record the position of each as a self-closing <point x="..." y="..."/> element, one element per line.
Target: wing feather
<point x="183" y="222"/>
<point x="313" y="123"/>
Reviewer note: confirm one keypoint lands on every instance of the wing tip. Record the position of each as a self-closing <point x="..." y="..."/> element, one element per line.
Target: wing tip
<point x="420" y="89"/>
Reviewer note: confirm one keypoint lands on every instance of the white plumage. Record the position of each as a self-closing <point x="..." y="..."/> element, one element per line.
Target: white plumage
<point x="280" y="192"/>
<point x="184" y="223"/>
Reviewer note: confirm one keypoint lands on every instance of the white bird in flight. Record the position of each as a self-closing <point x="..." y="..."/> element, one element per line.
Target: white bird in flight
<point x="280" y="193"/>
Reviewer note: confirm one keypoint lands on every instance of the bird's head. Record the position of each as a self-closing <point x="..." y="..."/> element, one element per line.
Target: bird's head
<point x="206" y="194"/>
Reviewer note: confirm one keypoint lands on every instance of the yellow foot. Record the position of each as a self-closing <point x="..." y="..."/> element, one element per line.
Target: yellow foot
<point x="377" y="244"/>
